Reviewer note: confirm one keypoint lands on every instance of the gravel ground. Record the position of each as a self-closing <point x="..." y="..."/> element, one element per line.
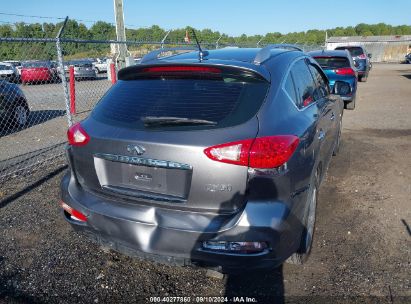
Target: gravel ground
<point x="361" y="251"/>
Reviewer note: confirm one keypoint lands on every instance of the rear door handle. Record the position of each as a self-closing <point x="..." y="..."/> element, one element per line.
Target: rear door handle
<point x="321" y="135"/>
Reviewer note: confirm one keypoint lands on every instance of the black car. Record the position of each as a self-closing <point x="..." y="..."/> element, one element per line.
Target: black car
<point x="207" y="157"/>
<point x="361" y="58"/>
<point x="14" y="109"/>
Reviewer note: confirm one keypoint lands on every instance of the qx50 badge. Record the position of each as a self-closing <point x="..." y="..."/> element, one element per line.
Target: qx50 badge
<point x="136" y="149"/>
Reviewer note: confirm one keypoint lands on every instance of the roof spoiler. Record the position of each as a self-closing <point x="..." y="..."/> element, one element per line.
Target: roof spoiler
<point x="265" y="52"/>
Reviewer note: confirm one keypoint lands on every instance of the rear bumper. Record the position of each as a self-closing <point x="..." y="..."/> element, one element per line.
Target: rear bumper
<point x="88" y="74"/>
<point x="176" y="237"/>
<point x="362" y="71"/>
<point x="34" y="78"/>
<point x="347" y="98"/>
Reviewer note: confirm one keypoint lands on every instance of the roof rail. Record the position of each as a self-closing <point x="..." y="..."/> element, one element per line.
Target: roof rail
<point x="265" y="52"/>
<point x="154" y="54"/>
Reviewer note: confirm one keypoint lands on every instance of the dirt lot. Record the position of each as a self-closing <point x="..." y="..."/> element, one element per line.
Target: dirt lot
<point x="362" y="246"/>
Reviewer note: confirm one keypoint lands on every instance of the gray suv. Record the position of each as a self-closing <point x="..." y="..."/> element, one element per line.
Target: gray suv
<point x="212" y="158"/>
<point x="361" y="59"/>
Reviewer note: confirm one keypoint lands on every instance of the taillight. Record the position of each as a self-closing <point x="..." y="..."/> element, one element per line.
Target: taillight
<point x="345" y="71"/>
<point x="77" y="136"/>
<point x="262" y="152"/>
<point x="172" y="69"/>
<point x="74" y="214"/>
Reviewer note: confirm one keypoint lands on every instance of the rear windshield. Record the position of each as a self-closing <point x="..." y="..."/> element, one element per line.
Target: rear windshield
<point x="86" y="64"/>
<point x="354" y="51"/>
<point x="224" y="102"/>
<point x="5" y="67"/>
<point x="333" y="62"/>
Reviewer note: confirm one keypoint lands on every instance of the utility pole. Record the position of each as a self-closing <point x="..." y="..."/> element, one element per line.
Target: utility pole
<point x="326" y="39"/>
<point x="121" y="34"/>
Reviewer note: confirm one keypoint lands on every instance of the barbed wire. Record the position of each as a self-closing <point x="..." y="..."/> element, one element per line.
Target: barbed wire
<point x="62" y="18"/>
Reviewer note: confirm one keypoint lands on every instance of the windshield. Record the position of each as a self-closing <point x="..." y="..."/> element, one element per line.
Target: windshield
<point x="181" y="103"/>
<point x="37" y="64"/>
<point x="4" y="67"/>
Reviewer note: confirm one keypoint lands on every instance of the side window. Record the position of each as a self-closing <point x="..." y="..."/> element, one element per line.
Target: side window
<point x="304" y="83"/>
<point x="290" y="88"/>
<point x="321" y="89"/>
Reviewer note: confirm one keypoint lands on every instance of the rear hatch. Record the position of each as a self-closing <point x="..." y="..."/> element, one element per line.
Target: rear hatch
<point x="335" y="67"/>
<point x="357" y="55"/>
<point x="149" y="132"/>
<point x="82" y="66"/>
<point x="36" y="73"/>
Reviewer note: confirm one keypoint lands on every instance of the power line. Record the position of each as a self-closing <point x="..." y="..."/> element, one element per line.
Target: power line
<point x="62" y="18"/>
<point x="31" y="16"/>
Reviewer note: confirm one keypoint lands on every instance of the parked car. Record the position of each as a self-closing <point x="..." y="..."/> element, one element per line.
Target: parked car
<point x="362" y="58"/>
<point x="341" y="71"/>
<point x="14" y="109"/>
<point x="16" y="64"/>
<point x="39" y="72"/>
<point x="8" y="72"/>
<point x="209" y="162"/>
<point x="83" y="69"/>
<point x="100" y="65"/>
<point x="408" y="58"/>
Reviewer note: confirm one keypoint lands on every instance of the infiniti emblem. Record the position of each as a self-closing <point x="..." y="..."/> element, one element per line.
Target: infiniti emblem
<point x="136" y="149"/>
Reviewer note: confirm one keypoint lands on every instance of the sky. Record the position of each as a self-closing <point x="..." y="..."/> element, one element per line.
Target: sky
<point x="233" y="17"/>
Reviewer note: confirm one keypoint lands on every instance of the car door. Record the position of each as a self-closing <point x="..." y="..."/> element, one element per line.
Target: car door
<point x="317" y="107"/>
<point x="322" y="95"/>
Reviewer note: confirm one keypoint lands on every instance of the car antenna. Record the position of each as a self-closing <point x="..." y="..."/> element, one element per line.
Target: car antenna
<point x="201" y="54"/>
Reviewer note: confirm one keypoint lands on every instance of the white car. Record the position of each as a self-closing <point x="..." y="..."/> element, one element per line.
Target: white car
<point x="8" y="72"/>
<point x="100" y="66"/>
<point x="16" y="64"/>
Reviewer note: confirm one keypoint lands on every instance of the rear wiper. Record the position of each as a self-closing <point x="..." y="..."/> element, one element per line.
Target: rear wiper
<point x="169" y="120"/>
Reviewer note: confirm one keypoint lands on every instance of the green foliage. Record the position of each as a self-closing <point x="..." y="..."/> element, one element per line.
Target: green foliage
<point x="106" y="31"/>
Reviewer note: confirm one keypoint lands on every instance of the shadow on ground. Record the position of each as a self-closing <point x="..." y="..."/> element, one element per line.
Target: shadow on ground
<point x="35" y="118"/>
<point x="265" y="287"/>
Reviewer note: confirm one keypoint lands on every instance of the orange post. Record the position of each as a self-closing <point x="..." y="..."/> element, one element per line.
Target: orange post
<point x="113" y="73"/>
<point x="72" y="91"/>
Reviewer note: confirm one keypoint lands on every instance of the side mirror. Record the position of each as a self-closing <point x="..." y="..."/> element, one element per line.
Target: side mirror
<point x="341" y="88"/>
<point x="369" y="55"/>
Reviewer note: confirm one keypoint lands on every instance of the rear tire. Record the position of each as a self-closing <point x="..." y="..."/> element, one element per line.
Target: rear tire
<point x="350" y="105"/>
<point x="303" y="252"/>
<point x="338" y="143"/>
<point x="20" y="116"/>
<point x="363" y="78"/>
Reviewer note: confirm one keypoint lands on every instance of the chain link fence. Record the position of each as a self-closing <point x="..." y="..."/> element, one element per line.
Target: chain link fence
<point x="381" y="51"/>
<point x="48" y="84"/>
<point x="32" y="107"/>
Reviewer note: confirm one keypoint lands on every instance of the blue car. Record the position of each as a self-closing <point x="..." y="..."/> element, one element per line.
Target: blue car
<point x="341" y="72"/>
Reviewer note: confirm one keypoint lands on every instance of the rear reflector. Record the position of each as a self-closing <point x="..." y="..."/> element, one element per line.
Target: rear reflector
<point x="262" y="152"/>
<point x="235" y="247"/>
<point x="172" y="69"/>
<point x="345" y="71"/>
<point x="77" y="136"/>
<point x="76" y="215"/>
